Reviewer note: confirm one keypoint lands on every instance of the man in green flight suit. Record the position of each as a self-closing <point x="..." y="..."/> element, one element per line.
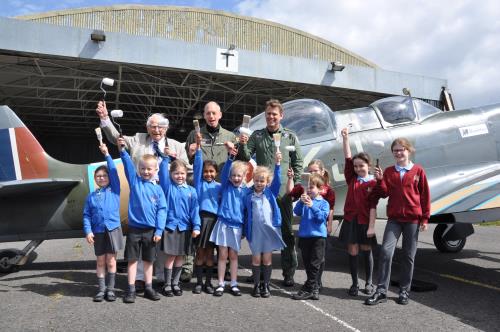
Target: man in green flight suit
<point x="213" y="148"/>
<point x="261" y="143"/>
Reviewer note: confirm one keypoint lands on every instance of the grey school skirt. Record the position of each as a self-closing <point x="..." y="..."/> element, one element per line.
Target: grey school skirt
<point x="109" y="242"/>
<point x="177" y="243"/>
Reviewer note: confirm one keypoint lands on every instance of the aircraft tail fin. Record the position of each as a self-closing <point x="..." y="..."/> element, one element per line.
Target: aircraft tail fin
<point x="21" y="155"/>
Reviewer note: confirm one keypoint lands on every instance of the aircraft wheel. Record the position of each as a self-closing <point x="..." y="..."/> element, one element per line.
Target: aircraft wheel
<point x="444" y="245"/>
<point x="5" y="256"/>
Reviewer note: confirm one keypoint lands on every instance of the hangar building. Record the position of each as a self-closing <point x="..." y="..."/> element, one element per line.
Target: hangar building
<point x="172" y="60"/>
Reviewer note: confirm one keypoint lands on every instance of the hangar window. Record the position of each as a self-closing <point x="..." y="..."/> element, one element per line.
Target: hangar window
<point x="396" y="110"/>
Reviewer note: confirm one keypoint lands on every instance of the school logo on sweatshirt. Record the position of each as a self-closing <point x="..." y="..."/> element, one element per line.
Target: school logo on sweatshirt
<point x="416" y="178"/>
<point x="154" y="199"/>
<point x="369" y="189"/>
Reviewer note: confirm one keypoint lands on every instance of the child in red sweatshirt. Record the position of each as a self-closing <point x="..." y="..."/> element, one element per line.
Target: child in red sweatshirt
<point x="408" y="211"/>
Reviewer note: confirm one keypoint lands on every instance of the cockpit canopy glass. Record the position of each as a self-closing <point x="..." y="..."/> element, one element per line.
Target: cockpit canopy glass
<point x="308" y="118"/>
<point x="401" y="109"/>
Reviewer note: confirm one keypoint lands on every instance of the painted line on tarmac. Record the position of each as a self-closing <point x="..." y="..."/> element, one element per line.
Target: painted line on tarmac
<point x="470" y="282"/>
<point x="309" y="304"/>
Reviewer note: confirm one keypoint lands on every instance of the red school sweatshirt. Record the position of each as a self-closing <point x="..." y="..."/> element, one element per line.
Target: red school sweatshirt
<point x="409" y="197"/>
<point x="357" y="202"/>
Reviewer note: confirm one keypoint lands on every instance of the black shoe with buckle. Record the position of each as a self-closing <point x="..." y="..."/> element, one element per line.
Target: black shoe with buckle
<point x="99" y="297"/>
<point x="376" y="298"/>
<point x="151" y="294"/>
<point x="288" y="281"/>
<point x="129" y="297"/>
<point x="353" y="291"/>
<point x="235" y="291"/>
<point x="403" y="298"/>
<point x="315" y="294"/>
<point x="167" y="291"/>
<point x="177" y="290"/>
<point x="219" y="291"/>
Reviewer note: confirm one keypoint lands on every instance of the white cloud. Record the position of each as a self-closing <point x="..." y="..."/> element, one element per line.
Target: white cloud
<point x="455" y="40"/>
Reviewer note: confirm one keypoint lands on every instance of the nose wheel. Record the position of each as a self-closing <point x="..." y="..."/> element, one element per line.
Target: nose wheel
<point x="12" y="259"/>
<point x="7" y="258"/>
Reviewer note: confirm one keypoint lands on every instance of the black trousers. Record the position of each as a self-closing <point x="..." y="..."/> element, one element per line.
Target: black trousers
<point x="313" y="254"/>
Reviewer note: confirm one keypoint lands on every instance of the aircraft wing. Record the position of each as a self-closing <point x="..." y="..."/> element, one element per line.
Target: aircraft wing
<point x="17" y="187"/>
<point x="472" y="203"/>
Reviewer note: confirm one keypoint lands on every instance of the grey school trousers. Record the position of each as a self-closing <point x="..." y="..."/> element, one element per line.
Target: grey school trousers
<point x="393" y="231"/>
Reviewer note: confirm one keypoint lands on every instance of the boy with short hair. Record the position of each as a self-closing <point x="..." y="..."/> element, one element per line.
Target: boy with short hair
<point x="147" y="213"/>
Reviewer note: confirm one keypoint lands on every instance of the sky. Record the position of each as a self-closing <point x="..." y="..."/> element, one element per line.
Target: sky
<point x="455" y="40"/>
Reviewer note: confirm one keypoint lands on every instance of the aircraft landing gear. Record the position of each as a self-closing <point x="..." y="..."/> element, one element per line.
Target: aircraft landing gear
<point x="12" y="259"/>
<point x="451" y="237"/>
<point x="6" y="258"/>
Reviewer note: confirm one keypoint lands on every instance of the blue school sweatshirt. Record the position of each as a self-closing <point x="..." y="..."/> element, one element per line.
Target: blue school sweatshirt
<point x="232" y="200"/>
<point x="270" y="193"/>
<point x="313" y="221"/>
<point x="102" y="207"/>
<point x="147" y="207"/>
<point x="208" y="192"/>
<point x="182" y="201"/>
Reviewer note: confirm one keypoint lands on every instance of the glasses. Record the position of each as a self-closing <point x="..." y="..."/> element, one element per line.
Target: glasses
<point x="398" y="150"/>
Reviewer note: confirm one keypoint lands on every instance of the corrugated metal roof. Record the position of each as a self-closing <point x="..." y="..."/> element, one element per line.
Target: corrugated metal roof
<point x="202" y="26"/>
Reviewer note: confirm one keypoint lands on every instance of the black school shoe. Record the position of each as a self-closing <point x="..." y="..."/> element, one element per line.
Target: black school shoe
<point x="99" y="297"/>
<point x="208" y="288"/>
<point x="235" y="291"/>
<point x="302" y="295"/>
<point x="197" y="289"/>
<point x="288" y="281"/>
<point x="256" y="291"/>
<point x="167" y="291"/>
<point x="151" y="294"/>
<point x="177" y="290"/>
<point x="264" y="290"/>
<point x="315" y="294"/>
<point x="219" y="291"/>
<point x="110" y="296"/>
<point x="129" y="297"/>
<point x="353" y="291"/>
<point x="403" y="298"/>
<point x="376" y="298"/>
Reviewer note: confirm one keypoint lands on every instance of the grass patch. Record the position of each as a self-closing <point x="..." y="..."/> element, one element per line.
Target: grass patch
<point x="491" y="223"/>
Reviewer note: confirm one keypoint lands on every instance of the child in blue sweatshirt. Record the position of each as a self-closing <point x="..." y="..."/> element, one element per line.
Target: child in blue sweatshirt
<point x="208" y="191"/>
<point x="263" y="224"/>
<point x="101" y="224"/>
<point x="228" y="229"/>
<point x="313" y="210"/>
<point x="183" y="221"/>
<point x="146" y="220"/>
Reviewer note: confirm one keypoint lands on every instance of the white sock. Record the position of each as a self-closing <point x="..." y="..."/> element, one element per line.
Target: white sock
<point x="234" y="283"/>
